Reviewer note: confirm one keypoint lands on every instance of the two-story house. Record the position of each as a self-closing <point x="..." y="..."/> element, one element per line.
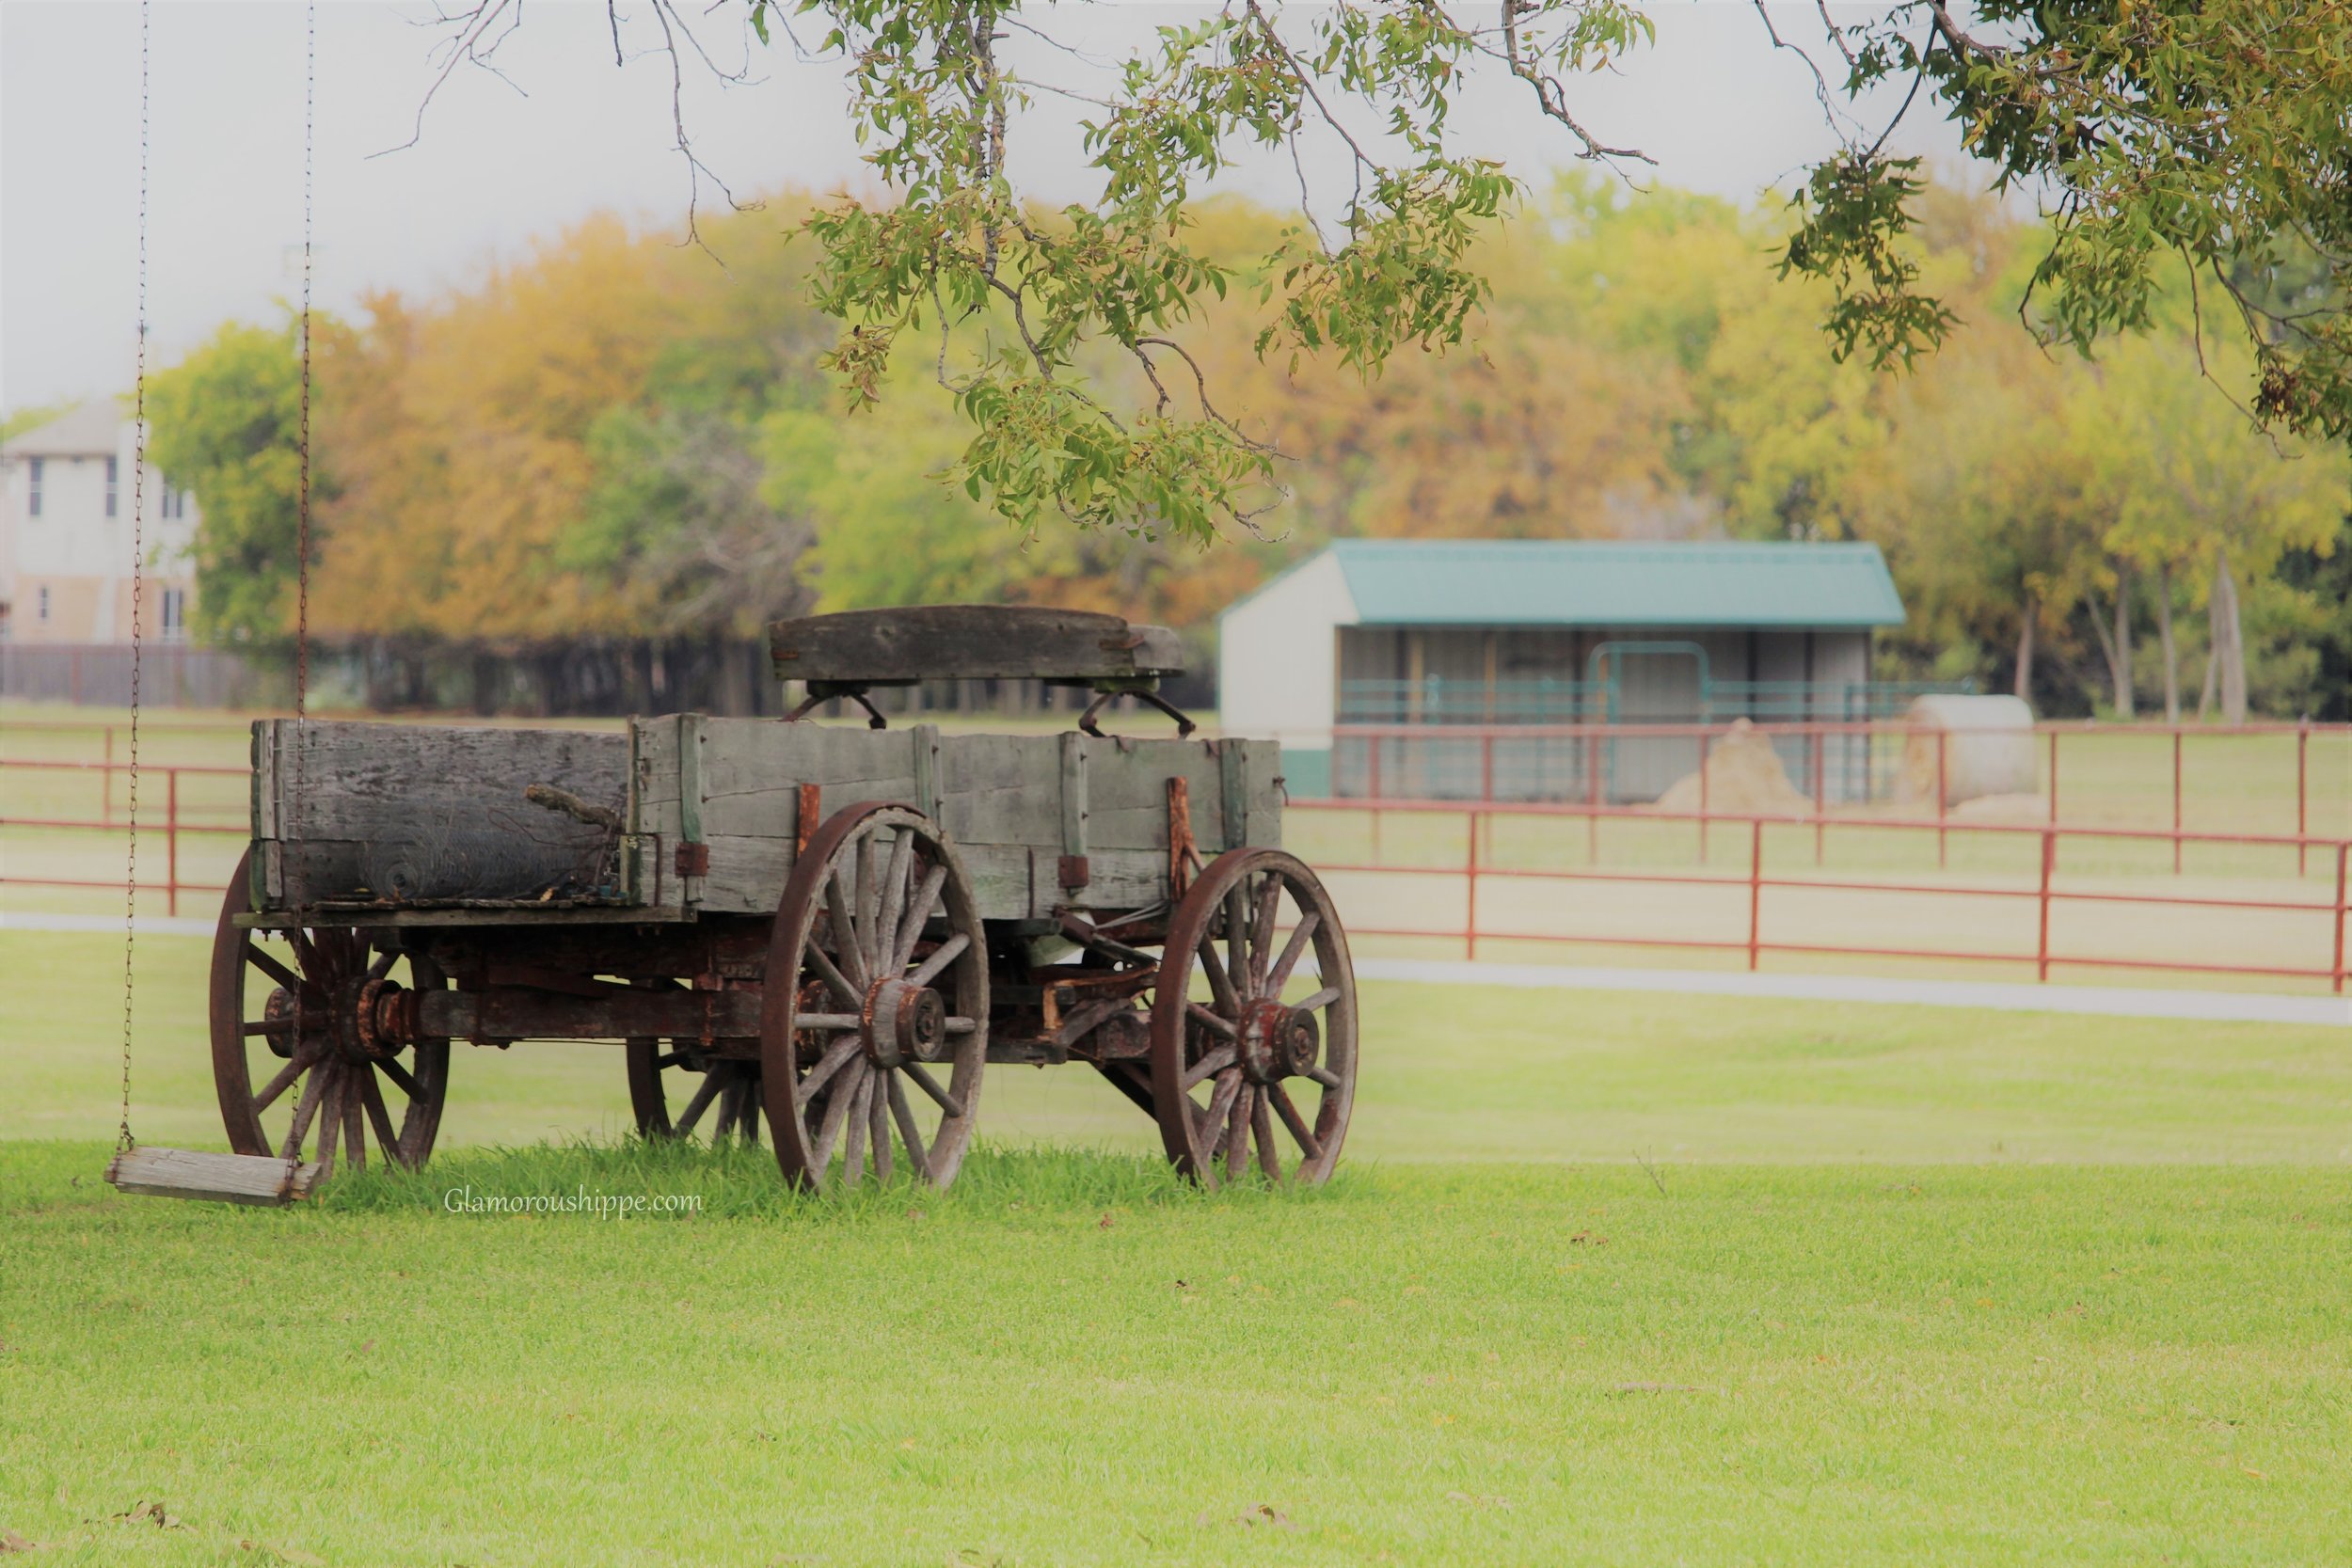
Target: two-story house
<point x="66" y="497"/>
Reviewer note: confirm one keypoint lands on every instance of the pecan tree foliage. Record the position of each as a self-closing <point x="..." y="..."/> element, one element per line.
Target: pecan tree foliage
<point x="2167" y="139"/>
<point x="2157" y="132"/>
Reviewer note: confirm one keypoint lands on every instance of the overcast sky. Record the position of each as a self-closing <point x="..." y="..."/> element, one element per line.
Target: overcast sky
<point x="567" y="132"/>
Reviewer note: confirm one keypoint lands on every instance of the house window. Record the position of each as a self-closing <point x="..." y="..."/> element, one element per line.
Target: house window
<point x="114" y="485"/>
<point x="175" y="614"/>
<point x="33" y="510"/>
<point x="173" y="504"/>
<point x="42" y="614"/>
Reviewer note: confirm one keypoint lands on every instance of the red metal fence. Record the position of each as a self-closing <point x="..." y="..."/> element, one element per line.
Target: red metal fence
<point x="1832" y="762"/>
<point x="1478" y="864"/>
<point x="161" y="819"/>
<point x="164" y="820"/>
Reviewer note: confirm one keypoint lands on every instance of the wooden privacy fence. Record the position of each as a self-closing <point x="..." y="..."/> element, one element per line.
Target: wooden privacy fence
<point x="1479" y="870"/>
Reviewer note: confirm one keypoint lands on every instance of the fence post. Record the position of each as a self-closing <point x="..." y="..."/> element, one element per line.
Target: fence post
<point x="1820" y="796"/>
<point x="2049" y="861"/>
<point x="1486" y="766"/>
<point x="2054" y="795"/>
<point x="171" y="842"/>
<point x="1943" y="794"/>
<point x="1470" y="927"/>
<point x="2176" y="805"/>
<point x="2302" y="790"/>
<point x="1704" y="738"/>
<point x="1755" y="888"/>
<point x="2342" y="851"/>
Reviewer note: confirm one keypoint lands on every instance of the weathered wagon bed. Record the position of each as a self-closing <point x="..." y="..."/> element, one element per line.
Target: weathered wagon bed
<point x="818" y="933"/>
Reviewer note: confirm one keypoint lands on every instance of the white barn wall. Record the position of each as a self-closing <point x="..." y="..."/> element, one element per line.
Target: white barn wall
<point x="1278" y="667"/>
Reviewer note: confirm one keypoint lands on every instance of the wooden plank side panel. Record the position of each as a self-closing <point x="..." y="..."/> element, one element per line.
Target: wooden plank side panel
<point x="1001" y="788"/>
<point x="1128" y="792"/>
<point x="752" y="769"/>
<point x="423" y="814"/>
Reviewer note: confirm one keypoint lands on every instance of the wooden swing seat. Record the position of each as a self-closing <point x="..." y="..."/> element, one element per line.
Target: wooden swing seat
<point x="261" y="1180"/>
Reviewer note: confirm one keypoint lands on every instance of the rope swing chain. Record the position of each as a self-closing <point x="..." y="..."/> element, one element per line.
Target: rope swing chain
<point x="123" y="1141"/>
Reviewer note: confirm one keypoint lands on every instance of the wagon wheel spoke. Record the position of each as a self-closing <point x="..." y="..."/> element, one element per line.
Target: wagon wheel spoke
<point x="1237" y="936"/>
<point x="399" y="1076"/>
<point x="1261" y="931"/>
<point x="383" y="964"/>
<point x="306" y="950"/>
<point x="877" y="1115"/>
<point x="840" y="905"/>
<point x="897" y="882"/>
<point x="355" y="1130"/>
<point x="1309" y="1145"/>
<point x="1211" y="1022"/>
<point x="330" y="1117"/>
<point x="1321" y="999"/>
<point x="944" y="955"/>
<point x="919" y="911"/>
<point x="1211" y="1065"/>
<point x="840" y="1052"/>
<point x="853" y="1145"/>
<point x="907" y="1132"/>
<point x="836" y="1112"/>
<point x="865" y="905"/>
<point x="1221" y="1099"/>
<point x="834" y="980"/>
<point x="306" y="1107"/>
<point x="379" y="1116"/>
<point x="1262" y="1129"/>
<point x="301" y="1064"/>
<point x="705" y="1092"/>
<point x="929" y="1086"/>
<point x="1220" y="983"/>
<point x="1300" y="935"/>
<point x="267" y="964"/>
<point x="1237" y="1134"/>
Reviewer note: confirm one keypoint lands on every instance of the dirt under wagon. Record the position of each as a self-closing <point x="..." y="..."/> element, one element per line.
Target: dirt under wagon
<point x="832" y="930"/>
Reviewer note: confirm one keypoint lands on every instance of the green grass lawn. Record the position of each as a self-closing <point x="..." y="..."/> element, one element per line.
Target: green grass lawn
<point x="1066" y="1360"/>
<point x="1607" y="1278"/>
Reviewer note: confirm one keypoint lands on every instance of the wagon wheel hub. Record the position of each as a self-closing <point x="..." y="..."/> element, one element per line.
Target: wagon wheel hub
<point x="1278" y="1043"/>
<point x="904" y="1024"/>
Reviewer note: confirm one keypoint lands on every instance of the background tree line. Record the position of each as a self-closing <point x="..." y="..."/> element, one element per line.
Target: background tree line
<point x="614" y="436"/>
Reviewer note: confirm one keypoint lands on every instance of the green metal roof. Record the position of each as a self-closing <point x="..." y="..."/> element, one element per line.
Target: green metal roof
<point x="1525" y="582"/>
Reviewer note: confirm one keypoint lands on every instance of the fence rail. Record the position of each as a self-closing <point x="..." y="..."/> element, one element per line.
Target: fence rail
<point x="1478" y="864"/>
<point x="1831" y="762"/>
<point x="170" y="827"/>
<point x="1478" y="867"/>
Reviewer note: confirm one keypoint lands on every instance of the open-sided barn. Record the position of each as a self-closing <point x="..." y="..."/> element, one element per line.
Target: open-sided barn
<point x="1379" y="633"/>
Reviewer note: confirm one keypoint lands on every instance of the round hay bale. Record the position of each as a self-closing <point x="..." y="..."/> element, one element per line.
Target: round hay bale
<point x="1744" y="778"/>
<point x="1988" y="747"/>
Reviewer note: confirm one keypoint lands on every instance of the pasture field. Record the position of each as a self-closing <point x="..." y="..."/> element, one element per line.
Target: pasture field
<point x="1605" y="1280"/>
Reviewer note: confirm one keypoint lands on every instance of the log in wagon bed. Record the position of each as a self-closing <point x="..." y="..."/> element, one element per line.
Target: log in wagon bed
<point x="814" y="933"/>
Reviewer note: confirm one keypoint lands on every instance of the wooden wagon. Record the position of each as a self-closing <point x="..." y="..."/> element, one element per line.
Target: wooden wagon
<point x="826" y="928"/>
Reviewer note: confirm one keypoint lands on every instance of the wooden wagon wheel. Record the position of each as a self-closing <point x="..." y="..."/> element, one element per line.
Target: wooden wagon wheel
<point x="726" y="1091"/>
<point x="302" y="1009"/>
<point x="877" y="984"/>
<point x="1241" y="1037"/>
